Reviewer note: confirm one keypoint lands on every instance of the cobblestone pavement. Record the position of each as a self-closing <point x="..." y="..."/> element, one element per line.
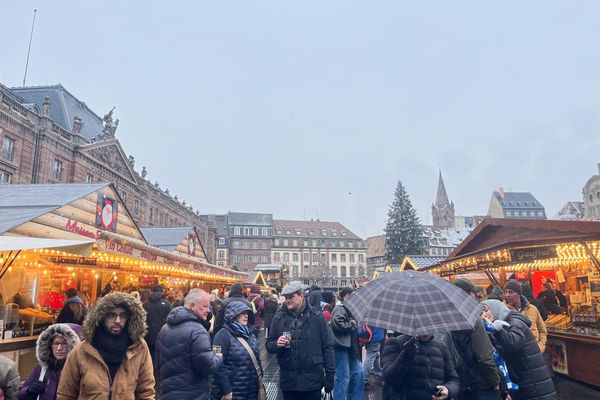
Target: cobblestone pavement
<point x="566" y="389"/>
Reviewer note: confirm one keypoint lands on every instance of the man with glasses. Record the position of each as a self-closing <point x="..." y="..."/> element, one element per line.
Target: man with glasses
<point x="114" y="358"/>
<point x="299" y="335"/>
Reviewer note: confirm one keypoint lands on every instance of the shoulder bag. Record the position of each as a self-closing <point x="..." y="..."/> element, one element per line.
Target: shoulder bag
<point x="262" y="392"/>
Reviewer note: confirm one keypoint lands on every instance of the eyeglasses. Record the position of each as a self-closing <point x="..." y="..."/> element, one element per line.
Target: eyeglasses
<point x="56" y="345"/>
<point x="113" y="315"/>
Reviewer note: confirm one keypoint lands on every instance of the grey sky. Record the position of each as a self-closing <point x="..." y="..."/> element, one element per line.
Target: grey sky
<point x="286" y="106"/>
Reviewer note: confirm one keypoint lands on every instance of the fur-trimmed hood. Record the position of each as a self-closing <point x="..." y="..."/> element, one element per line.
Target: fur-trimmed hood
<point x="136" y="325"/>
<point x="43" y="349"/>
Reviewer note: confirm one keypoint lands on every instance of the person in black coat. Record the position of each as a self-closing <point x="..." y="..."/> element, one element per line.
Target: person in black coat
<point x="517" y="345"/>
<point x="237" y="378"/>
<point x="184" y="353"/>
<point x="157" y="309"/>
<point x="235" y="294"/>
<point x="73" y="311"/>
<point x="416" y="367"/>
<point x="270" y="310"/>
<point x="306" y="362"/>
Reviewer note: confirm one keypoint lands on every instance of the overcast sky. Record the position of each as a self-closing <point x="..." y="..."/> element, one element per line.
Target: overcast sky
<point x="289" y="106"/>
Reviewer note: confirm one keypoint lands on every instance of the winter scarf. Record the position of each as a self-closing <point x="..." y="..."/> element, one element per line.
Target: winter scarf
<point x="74" y="299"/>
<point x="111" y="347"/>
<point x="240" y="330"/>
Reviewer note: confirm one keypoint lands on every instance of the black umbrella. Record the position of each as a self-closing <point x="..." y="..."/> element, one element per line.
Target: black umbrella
<point x="414" y="303"/>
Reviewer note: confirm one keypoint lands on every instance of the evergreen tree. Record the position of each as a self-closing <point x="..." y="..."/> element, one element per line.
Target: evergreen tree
<point x="403" y="232"/>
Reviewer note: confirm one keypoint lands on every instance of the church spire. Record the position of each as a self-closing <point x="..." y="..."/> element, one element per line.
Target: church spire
<point x="441" y="199"/>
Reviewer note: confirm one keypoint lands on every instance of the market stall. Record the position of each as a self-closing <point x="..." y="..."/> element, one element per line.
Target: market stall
<point x="562" y="252"/>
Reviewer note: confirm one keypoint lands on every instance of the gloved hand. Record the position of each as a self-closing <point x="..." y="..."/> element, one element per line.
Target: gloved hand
<point x="410" y="350"/>
<point x="328" y="385"/>
<point x="499" y="324"/>
<point x="37" y="387"/>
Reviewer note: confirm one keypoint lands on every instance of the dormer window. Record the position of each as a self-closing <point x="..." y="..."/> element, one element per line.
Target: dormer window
<point x="323" y="232"/>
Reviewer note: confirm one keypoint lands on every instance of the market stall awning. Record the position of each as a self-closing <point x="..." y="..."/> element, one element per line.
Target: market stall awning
<point x="78" y="247"/>
<point x="496" y="233"/>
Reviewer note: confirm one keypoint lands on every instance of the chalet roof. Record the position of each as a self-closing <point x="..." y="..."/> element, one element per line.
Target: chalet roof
<point x="64" y="107"/>
<point x="166" y="238"/>
<point x="376" y="246"/>
<point x="320" y="229"/>
<point x="250" y="219"/>
<point x="518" y="200"/>
<point x="22" y="203"/>
<point x="268" y="267"/>
<point x="422" y="261"/>
<point x="496" y="233"/>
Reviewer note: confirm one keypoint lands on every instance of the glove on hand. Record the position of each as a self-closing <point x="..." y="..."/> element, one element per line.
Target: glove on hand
<point x="328" y="386"/>
<point x="499" y="324"/>
<point x="37" y="387"/>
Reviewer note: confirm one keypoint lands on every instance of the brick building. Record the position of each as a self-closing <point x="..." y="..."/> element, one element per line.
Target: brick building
<point x="47" y="135"/>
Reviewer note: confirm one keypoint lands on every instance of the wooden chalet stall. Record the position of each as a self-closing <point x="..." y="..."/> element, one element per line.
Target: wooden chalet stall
<point x="56" y="237"/>
<point x="534" y="251"/>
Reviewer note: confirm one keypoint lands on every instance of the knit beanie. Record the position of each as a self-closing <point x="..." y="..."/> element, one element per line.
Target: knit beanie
<point x="498" y="309"/>
<point x="514" y="285"/>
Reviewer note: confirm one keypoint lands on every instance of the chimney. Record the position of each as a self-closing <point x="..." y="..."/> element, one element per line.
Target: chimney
<point x="77" y="125"/>
<point x="501" y="192"/>
<point x="46" y="107"/>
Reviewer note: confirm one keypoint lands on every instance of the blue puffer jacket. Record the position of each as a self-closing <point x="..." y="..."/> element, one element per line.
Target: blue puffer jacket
<point x="184" y="356"/>
<point x="237" y="374"/>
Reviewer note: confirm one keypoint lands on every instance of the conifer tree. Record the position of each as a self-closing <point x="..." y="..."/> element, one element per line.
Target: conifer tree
<point x="403" y="232"/>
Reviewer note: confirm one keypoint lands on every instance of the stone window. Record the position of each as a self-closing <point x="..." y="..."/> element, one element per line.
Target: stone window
<point x="306" y="243"/>
<point x="151" y="215"/>
<point x="246" y="231"/>
<point x="8" y="149"/>
<point x="361" y="258"/>
<point x="254" y="231"/>
<point x="343" y="271"/>
<point x="57" y="170"/>
<point x="5" y="177"/>
<point x="221" y="241"/>
<point x="89" y="178"/>
<point x="136" y="207"/>
<point x="236" y="230"/>
<point x="161" y="219"/>
<point x="245" y="245"/>
<point x="295" y="242"/>
<point x="276" y="256"/>
<point x="286" y="242"/>
<point x="295" y="257"/>
<point x="342" y="258"/>
<point x="352" y="271"/>
<point x="334" y="258"/>
<point x="265" y="232"/>
<point x="286" y="257"/>
<point x="306" y="257"/>
<point x="352" y="259"/>
<point x="221" y="254"/>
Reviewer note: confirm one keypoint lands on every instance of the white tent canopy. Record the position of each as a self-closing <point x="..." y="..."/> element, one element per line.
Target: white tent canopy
<point x="78" y="247"/>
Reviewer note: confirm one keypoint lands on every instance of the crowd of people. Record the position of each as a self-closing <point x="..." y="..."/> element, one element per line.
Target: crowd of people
<point x="151" y="344"/>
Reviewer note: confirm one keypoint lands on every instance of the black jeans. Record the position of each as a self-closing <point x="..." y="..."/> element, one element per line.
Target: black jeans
<point x="295" y="395"/>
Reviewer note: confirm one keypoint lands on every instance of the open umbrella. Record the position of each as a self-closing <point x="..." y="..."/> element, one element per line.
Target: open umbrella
<point x="414" y="303"/>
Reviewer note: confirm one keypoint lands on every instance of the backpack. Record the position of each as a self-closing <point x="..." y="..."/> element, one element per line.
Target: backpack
<point x="365" y="334"/>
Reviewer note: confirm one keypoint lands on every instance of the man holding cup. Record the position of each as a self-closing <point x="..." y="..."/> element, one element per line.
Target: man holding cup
<point x="299" y="336"/>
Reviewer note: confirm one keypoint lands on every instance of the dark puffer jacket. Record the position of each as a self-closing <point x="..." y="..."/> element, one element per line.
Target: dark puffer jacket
<point x="237" y="374"/>
<point x="46" y="360"/>
<point x="184" y="356"/>
<point x="414" y="379"/>
<point x="309" y="361"/>
<point x="270" y="310"/>
<point x="157" y="309"/>
<point x="526" y="365"/>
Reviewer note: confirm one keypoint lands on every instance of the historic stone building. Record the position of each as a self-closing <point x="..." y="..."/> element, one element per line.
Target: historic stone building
<point x="47" y="135"/>
<point x="516" y="205"/>
<point x="317" y="252"/>
<point x="591" y="197"/>
<point x="251" y="238"/>
<point x="442" y="210"/>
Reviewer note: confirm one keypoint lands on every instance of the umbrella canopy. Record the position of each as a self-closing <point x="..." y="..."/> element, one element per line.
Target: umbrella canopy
<point x="414" y="303"/>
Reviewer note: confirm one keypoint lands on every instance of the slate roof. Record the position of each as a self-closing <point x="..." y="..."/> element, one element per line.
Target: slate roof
<point x="425" y="261"/>
<point x="22" y="203"/>
<point x="317" y="227"/>
<point x="249" y="219"/>
<point x="166" y="238"/>
<point x="518" y="201"/>
<point x="64" y="107"/>
<point x="571" y="211"/>
<point x="376" y="246"/>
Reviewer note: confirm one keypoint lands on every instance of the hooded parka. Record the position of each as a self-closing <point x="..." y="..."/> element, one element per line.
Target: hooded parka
<point x="235" y="294"/>
<point x="237" y="374"/>
<point x="46" y="360"/>
<point x="86" y="374"/>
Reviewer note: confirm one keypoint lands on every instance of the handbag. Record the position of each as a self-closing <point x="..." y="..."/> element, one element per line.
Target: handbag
<point x="262" y="392"/>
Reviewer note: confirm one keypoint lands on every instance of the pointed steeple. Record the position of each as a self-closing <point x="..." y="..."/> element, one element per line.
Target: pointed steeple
<point x="441" y="199"/>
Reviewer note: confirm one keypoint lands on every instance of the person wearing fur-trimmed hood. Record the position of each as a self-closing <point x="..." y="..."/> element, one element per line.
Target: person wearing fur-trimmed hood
<point x="113" y="361"/>
<point x="53" y="346"/>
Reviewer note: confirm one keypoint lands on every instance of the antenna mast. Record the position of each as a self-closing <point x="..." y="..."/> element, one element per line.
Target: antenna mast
<point x="29" y="49"/>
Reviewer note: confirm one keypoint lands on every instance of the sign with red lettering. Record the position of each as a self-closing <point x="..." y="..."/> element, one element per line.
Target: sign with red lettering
<point x="106" y="213"/>
<point x="73" y="226"/>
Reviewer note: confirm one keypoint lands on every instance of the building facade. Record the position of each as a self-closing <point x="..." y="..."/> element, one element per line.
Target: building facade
<point x="518" y="205"/>
<point x="591" y="197"/>
<point x="442" y="210"/>
<point x="572" y="211"/>
<point x="251" y="238"/>
<point x="376" y="257"/>
<point x="47" y="135"/>
<point x="318" y="252"/>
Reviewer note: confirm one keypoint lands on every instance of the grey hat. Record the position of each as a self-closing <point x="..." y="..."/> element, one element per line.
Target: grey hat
<point x="292" y="287"/>
<point x="498" y="309"/>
